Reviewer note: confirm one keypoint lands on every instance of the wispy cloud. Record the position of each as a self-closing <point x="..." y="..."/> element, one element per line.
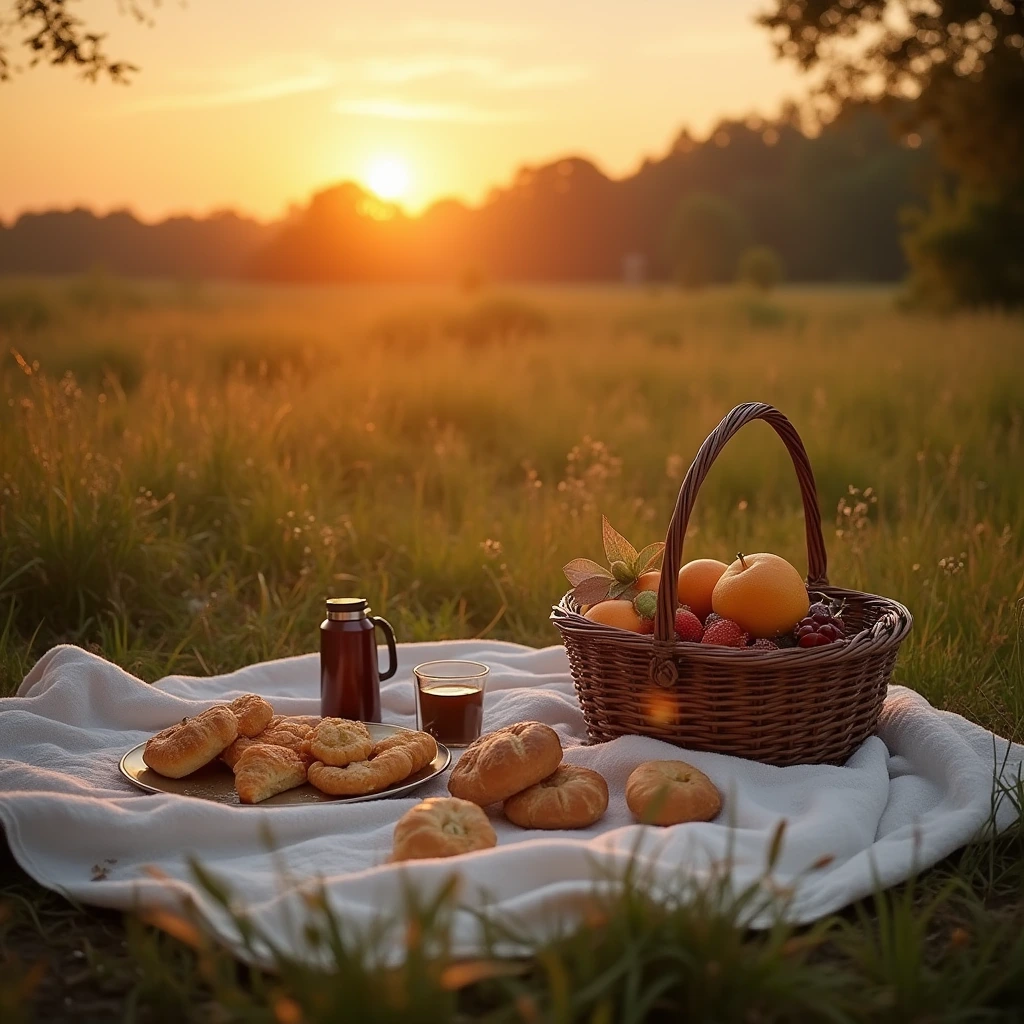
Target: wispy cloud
<point x="400" y="110"/>
<point x="259" y="90"/>
<point x="485" y="71"/>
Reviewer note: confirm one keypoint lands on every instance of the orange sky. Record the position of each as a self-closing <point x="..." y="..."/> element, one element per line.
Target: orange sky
<point x="256" y="114"/>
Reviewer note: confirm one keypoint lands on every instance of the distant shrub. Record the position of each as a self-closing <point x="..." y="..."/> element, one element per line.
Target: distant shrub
<point x="498" y="320"/>
<point x="24" y="309"/>
<point x="966" y="250"/>
<point x="760" y="266"/>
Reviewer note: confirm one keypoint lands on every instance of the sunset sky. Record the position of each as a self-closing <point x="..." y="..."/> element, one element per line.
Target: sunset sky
<point x="416" y="100"/>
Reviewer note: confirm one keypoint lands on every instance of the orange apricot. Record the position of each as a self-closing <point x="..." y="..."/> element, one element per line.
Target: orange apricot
<point x="697" y="580"/>
<point x="615" y="613"/>
<point x="649" y="581"/>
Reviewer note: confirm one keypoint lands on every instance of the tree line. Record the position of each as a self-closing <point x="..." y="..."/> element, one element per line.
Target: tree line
<point x="827" y="207"/>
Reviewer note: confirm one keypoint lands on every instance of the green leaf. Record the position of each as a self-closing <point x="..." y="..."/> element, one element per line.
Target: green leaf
<point x="650" y="558"/>
<point x="616" y="547"/>
<point x="580" y="569"/>
<point x="592" y="590"/>
<point x="617" y="590"/>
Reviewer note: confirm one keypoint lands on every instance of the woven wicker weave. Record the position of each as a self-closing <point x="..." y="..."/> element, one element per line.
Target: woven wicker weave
<point x="793" y="706"/>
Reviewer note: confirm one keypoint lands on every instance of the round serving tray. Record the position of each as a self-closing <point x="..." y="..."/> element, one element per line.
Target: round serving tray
<point x="216" y="782"/>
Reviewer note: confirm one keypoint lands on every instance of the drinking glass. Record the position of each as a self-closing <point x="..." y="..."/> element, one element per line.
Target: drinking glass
<point x="450" y="700"/>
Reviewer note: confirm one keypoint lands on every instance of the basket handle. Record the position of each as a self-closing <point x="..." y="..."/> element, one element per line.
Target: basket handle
<point x="663" y="667"/>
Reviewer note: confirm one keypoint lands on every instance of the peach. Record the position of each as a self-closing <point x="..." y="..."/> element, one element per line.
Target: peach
<point x="615" y="613"/>
<point x="697" y="580"/>
<point x="763" y="593"/>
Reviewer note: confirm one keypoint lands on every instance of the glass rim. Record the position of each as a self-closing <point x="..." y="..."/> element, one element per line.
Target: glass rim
<point x="424" y="669"/>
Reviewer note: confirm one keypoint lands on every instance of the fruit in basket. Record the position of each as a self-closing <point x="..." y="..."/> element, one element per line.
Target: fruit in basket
<point x="823" y="611"/>
<point x="617" y="613"/>
<point x="628" y="572"/>
<point x="649" y="581"/>
<point x="688" y="627"/>
<point x="645" y="604"/>
<point x="764" y="644"/>
<point x="697" y="581"/>
<point x="725" y="633"/>
<point x="763" y="593"/>
<point x="711" y="618"/>
<point x="822" y="625"/>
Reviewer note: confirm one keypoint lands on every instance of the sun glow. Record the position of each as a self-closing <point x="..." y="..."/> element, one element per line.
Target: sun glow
<point x="388" y="177"/>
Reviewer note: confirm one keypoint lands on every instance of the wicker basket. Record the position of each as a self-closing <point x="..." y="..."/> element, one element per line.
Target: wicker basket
<point x="793" y="706"/>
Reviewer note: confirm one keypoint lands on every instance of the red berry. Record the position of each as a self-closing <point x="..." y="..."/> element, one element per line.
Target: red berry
<point x="725" y="633"/>
<point x="813" y="640"/>
<point x="764" y="644"/>
<point x="688" y="627"/>
<point x="817" y="629"/>
<point x="646" y="626"/>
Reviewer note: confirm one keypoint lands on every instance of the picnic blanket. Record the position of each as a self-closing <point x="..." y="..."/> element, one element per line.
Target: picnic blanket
<point x="914" y="793"/>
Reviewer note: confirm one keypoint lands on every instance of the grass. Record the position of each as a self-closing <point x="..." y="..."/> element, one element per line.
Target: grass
<point x="186" y="472"/>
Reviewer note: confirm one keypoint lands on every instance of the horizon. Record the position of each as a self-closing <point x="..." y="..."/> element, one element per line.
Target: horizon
<point x="194" y="143"/>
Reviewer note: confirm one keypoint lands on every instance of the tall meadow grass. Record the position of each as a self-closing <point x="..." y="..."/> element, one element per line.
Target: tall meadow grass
<point x="187" y="473"/>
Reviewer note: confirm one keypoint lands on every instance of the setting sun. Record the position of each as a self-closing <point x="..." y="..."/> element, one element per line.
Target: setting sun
<point x="388" y="177"/>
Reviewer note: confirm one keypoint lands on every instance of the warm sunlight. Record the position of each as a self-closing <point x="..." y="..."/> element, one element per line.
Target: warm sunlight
<point x="388" y="177"/>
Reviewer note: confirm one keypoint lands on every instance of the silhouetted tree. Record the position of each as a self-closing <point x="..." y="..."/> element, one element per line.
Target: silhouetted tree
<point x="56" y="36"/>
<point x="704" y="239"/>
<point x="961" y="65"/>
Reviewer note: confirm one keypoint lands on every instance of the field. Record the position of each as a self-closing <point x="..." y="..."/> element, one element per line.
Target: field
<point x="188" y="470"/>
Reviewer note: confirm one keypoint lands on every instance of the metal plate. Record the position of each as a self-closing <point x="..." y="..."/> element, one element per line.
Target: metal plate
<point x="216" y="781"/>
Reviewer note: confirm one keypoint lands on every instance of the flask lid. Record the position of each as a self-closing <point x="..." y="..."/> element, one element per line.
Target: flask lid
<point x="346" y="607"/>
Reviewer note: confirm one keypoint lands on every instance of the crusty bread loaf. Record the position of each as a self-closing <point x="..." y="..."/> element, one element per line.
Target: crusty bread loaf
<point x="187" y="746"/>
<point x="442" y="827"/>
<point x="571" y="797"/>
<point x="505" y="762"/>
<point x="670" y="793"/>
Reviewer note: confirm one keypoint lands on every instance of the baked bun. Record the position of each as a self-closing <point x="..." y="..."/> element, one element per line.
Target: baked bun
<point x="264" y="771"/>
<point x="193" y="742"/>
<point x="671" y="792"/>
<point x="281" y="731"/>
<point x="505" y="762"/>
<point x="571" y="797"/>
<point x="338" y="742"/>
<point x="442" y="827"/>
<point x="253" y="714"/>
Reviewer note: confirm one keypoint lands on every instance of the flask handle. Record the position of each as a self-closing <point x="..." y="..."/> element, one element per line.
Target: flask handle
<point x="389" y="635"/>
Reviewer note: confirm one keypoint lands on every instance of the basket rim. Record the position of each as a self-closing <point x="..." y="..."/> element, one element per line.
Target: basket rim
<point x="888" y="631"/>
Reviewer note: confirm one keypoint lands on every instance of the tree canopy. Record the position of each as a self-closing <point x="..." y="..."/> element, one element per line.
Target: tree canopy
<point x="53" y="34"/>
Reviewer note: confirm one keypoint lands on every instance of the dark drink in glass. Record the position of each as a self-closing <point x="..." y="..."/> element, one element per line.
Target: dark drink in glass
<point x="450" y="700"/>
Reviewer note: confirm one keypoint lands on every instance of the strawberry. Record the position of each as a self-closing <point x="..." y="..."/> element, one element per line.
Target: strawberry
<point x="688" y="627"/>
<point x="712" y="618"/>
<point x="764" y="644"/>
<point x="725" y="633"/>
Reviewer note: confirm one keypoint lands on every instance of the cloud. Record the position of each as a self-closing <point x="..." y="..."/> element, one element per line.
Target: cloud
<point x="400" y="110"/>
<point x="487" y="71"/>
<point x="257" y="90"/>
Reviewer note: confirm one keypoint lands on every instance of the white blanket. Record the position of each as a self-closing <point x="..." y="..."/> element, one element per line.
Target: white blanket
<point x="908" y="797"/>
